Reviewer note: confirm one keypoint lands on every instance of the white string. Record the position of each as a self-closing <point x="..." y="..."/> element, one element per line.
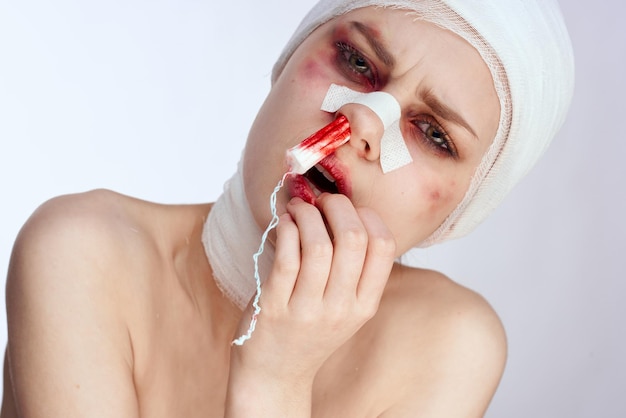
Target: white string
<point x="273" y="223"/>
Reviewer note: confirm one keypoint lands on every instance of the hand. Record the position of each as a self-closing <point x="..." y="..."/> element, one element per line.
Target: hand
<point x="332" y="263"/>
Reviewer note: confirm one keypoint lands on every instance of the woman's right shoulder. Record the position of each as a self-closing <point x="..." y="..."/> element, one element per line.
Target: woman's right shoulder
<point x="99" y="205"/>
<point x="80" y="236"/>
<point x="74" y="221"/>
<point x="71" y="297"/>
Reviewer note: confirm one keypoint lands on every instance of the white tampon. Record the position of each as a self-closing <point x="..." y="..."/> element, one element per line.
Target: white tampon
<point x="322" y="143"/>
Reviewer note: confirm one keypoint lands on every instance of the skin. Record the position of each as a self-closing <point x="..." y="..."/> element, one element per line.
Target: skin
<point x="431" y="187"/>
<point x="113" y="311"/>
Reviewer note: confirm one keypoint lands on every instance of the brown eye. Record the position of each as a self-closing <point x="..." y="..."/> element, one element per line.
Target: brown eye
<point x="359" y="64"/>
<point x="355" y="66"/>
<point x="435" y="137"/>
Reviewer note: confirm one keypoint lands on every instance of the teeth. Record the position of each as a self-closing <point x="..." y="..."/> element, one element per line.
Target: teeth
<point x="325" y="173"/>
<point x="319" y="145"/>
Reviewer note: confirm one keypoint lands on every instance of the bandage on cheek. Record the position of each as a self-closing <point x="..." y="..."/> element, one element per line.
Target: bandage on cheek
<point x="393" y="151"/>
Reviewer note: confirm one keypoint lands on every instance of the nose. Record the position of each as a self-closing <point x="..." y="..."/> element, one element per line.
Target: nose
<point x="366" y="130"/>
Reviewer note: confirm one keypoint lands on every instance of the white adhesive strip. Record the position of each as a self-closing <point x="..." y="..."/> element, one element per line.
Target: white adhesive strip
<point x="393" y="151"/>
<point x="383" y="104"/>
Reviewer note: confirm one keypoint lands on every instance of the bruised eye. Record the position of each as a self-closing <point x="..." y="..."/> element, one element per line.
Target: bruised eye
<point x="435" y="137"/>
<point x="355" y="65"/>
<point x="359" y="64"/>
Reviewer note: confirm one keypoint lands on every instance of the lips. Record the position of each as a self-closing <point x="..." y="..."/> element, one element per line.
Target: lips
<point x="325" y="177"/>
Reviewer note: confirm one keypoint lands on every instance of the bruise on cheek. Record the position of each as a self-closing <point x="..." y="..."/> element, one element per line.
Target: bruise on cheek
<point x="435" y="195"/>
<point x="441" y="195"/>
<point x="317" y="67"/>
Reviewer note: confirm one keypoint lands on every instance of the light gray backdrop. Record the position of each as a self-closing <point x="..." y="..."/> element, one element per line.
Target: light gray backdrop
<point x="138" y="96"/>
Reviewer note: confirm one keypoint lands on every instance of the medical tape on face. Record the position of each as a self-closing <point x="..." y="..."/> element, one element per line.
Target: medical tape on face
<point x="393" y="151"/>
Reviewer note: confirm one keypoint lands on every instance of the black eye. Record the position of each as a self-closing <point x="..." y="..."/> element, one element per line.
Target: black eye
<point x="355" y="66"/>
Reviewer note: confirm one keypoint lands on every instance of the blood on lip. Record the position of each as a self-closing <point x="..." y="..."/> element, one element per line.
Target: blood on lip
<point x="300" y="187"/>
<point x="322" y="143"/>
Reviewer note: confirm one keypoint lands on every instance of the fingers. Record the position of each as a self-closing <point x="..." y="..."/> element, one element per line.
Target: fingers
<point x="364" y="254"/>
<point x="347" y="253"/>
<point x="381" y="253"/>
<point x="350" y="242"/>
<point x="331" y="266"/>
<point x="317" y="253"/>
<point x="281" y="281"/>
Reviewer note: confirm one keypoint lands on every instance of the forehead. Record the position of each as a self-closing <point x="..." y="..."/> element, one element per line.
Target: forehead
<point x="409" y="37"/>
<point x="429" y="58"/>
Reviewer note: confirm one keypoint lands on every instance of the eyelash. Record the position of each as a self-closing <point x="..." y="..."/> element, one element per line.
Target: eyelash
<point x="438" y="140"/>
<point x="345" y="56"/>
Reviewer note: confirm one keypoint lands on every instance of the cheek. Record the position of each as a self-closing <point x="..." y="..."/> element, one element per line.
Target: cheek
<point x="434" y="196"/>
<point x="425" y="210"/>
<point x="316" y="70"/>
<point x="311" y="69"/>
<point x="440" y="198"/>
<point x="441" y="194"/>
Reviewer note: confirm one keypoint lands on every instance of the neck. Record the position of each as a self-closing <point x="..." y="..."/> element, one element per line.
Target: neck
<point x="230" y="237"/>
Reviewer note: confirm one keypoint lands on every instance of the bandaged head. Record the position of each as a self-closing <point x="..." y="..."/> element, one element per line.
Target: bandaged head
<point x="528" y="51"/>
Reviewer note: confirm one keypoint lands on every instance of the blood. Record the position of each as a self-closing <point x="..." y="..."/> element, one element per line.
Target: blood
<point x="319" y="145"/>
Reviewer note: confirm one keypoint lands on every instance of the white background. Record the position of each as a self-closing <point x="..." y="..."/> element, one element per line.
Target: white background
<point x="154" y="99"/>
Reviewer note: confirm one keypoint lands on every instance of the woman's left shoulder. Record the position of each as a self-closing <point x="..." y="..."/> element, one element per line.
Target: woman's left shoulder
<point x="448" y="342"/>
<point x="421" y="293"/>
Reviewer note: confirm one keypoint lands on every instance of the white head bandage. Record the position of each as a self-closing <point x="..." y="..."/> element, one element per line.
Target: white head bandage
<point x="527" y="49"/>
<point x="393" y="151"/>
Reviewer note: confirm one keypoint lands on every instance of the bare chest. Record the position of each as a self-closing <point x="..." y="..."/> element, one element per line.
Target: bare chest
<point x="180" y="367"/>
<point x="183" y="374"/>
<point x="352" y="382"/>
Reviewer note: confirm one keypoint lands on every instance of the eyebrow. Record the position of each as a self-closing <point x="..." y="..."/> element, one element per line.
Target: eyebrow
<point x="375" y="43"/>
<point x="437" y="106"/>
<point x="446" y="112"/>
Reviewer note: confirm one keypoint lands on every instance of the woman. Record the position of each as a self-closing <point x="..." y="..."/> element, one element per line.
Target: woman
<point x="117" y="306"/>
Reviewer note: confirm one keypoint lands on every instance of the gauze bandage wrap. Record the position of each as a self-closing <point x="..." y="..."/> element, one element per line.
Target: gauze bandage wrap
<point x="527" y="49"/>
<point x="230" y="237"/>
<point x="231" y="240"/>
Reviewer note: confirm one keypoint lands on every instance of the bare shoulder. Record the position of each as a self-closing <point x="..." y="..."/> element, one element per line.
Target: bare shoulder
<point x="100" y="207"/>
<point x="68" y="295"/>
<point x="420" y="294"/>
<point x="97" y="228"/>
<point x="63" y="223"/>
<point x="113" y="223"/>
<point x="448" y="345"/>
<point x="88" y="209"/>
<point x="98" y="243"/>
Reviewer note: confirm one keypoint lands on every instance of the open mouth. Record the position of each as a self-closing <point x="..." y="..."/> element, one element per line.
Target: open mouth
<point x="321" y="180"/>
<point x="328" y="176"/>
